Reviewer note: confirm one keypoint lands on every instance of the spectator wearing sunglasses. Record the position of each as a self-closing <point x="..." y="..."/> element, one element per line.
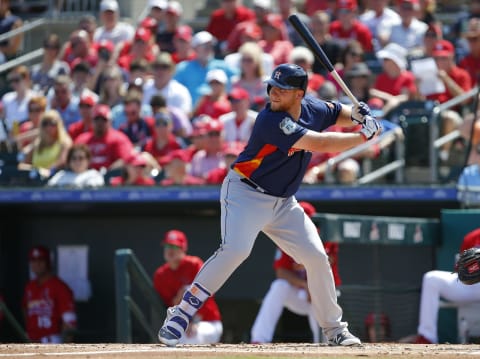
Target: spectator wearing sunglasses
<point x="77" y="173"/>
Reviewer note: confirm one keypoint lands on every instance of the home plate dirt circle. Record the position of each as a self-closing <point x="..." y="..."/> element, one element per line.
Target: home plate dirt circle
<point x="276" y="350"/>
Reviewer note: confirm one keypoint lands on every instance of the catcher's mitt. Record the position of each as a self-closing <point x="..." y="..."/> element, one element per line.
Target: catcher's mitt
<point x="468" y="266"/>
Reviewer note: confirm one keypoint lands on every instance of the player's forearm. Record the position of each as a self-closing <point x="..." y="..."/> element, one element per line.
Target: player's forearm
<point x="329" y="141"/>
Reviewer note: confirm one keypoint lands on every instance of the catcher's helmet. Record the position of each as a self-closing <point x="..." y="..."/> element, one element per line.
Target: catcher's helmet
<point x="288" y="77"/>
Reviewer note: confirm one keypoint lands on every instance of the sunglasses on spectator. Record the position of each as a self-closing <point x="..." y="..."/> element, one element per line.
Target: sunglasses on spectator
<point x="161" y="67"/>
<point x="161" y="123"/>
<point x="100" y="118"/>
<point x="51" y="47"/>
<point x="35" y="109"/>
<point x="430" y="34"/>
<point x="356" y="54"/>
<point x="78" y="158"/>
<point x="85" y="105"/>
<point x="214" y="134"/>
<point x="49" y="123"/>
<point x="14" y="79"/>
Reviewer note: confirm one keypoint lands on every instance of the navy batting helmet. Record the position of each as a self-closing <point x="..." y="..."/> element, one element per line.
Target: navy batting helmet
<point x="288" y="77"/>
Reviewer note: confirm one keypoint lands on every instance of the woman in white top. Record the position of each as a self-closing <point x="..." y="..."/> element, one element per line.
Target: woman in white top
<point x="78" y="173"/>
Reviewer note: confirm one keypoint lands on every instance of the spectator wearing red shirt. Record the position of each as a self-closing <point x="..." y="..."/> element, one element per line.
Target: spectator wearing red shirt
<point x="182" y="44"/>
<point x="231" y="152"/>
<point x="216" y="103"/>
<point x="275" y="39"/>
<point x="348" y="27"/>
<point x="471" y="62"/>
<point x="107" y="145"/>
<point x="312" y="6"/>
<point x="173" y="18"/>
<point x="85" y="124"/>
<point x="80" y="48"/>
<point x="136" y="172"/>
<point x="176" y="165"/>
<point x="142" y="47"/>
<point x="170" y="281"/>
<point x="223" y="20"/>
<point x="48" y="302"/>
<point x="198" y="138"/>
<point x="395" y="82"/>
<point x="289" y="290"/>
<point x="163" y="140"/>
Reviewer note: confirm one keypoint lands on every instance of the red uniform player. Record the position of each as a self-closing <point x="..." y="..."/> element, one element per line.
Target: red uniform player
<point x="48" y="302"/>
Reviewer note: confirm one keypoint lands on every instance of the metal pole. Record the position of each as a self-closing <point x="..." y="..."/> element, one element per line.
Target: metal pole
<point x="122" y="295"/>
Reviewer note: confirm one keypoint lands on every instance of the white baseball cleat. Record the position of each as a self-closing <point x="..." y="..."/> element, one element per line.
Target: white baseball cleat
<point x="344" y="338"/>
<point x="173" y="327"/>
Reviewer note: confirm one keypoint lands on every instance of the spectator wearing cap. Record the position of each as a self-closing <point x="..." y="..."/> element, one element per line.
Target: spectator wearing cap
<point x="47" y="300"/>
<point x="359" y="80"/>
<point x="410" y="31"/>
<point x="223" y="20"/>
<point x="471" y="62"/>
<point x="275" y="39"/>
<point x="109" y="147"/>
<point x="253" y="64"/>
<point x="157" y="10"/>
<point x="136" y="172"/>
<point x="181" y="124"/>
<point x="62" y="100"/>
<point x="192" y="74"/>
<point x="163" y="140"/>
<point x="379" y="19"/>
<point x="138" y="129"/>
<point x="238" y="123"/>
<point x="394" y="82"/>
<point x="176" y="166"/>
<point x="310" y="7"/>
<point x="212" y="156"/>
<point x="173" y="19"/>
<point x="182" y="44"/>
<point x="112" y="28"/>
<point x="320" y="27"/>
<point x="163" y="83"/>
<point x="198" y="139"/>
<point x="44" y="73"/>
<point x="347" y="26"/>
<point x="216" y="102"/>
<point x="141" y="47"/>
<point x="107" y="60"/>
<point x="80" y="46"/>
<point x="170" y="281"/>
<point x="304" y="58"/>
<point x="85" y="124"/>
<point x="231" y="152"/>
<point x="261" y="9"/>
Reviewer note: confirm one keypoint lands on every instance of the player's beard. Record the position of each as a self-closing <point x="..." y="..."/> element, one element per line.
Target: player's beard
<point x="283" y="106"/>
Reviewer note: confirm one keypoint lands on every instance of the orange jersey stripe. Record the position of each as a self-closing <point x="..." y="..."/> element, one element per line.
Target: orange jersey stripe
<point x="248" y="167"/>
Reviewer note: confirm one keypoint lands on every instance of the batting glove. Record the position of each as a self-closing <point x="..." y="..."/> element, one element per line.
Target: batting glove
<point x="359" y="112"/>
<point x="370" y="127"/>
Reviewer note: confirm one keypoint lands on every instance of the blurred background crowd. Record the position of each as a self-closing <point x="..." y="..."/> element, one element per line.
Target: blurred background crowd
<point x="162" y="99"/>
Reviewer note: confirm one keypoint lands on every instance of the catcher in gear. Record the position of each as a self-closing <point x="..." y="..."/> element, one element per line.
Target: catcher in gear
<point x="449" y="286"/>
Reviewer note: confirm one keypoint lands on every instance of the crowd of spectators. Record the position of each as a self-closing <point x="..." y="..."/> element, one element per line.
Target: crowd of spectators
<point x="159" y="103"/>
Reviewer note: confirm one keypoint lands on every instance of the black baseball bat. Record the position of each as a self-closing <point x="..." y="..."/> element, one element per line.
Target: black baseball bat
<point x="313" y="45"/>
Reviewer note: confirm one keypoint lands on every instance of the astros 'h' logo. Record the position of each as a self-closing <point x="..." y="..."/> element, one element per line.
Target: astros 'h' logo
<point x="277" y="75"/>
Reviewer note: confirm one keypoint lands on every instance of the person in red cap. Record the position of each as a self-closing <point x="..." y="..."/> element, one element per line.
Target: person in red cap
<point x="173" y="20"/>
<point x="289" y="290"/>
<point x="348" y="27"/>
<point x="85" y="124"/>
<point x="48" y="302"/>
<point x="212" y="156"/>
<point x="215" y="103"/>
<point x="275" y="39"/>
<point x="238" y="123"/>
<point x="176" y="274"/>
<point x="141" y="47"/>
<point x="444" y="284"/>
<point x="80" y="46"/>
<point x="112" y="28"/>
<point x="107" y="145"/>
<point x="136" y="172"/>
<point x="182" y="44"/>
<point x="175" y="166"/>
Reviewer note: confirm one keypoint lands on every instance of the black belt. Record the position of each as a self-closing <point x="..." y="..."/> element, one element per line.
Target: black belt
<point x="253" y="185"/>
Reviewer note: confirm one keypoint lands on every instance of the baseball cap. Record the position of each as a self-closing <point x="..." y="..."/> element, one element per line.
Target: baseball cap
<point x="238" y="93"/>
<point x="176" y="238"/>
<point x="199" y="128"/>
<point x="87" y="99"/>
<point x="347" y="4"/>
<point x="39" y="252"/>
<point x="216" y="75"/>
<point x="394" y="52"/>
<point x="443" y="48"/>
<point x="163" y="58"/>
<point x="308" y="208"/>
<point x="376" y="106"/>
<point x="102" y="111"/>
<point x="107" y="5"/>
<point x="252" y="31"/>
<point x="264" y="4"/>
<point x="161" y="4"/>
<point x="149" y="23"/>
<point x="184" y="32"/>
<point x="174" y="8"/>
<point x="181" y="155"/>
<point x="234" y="148"/>
<point x="274" y="20"/>
<point x="214" y="126"/>
<point x="201" y="38"/>
<point x="143" y="34"/>
<point x="106" y="44"/>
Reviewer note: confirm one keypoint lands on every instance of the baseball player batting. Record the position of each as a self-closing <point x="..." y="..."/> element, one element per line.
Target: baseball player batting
<point x="258" y="194"/>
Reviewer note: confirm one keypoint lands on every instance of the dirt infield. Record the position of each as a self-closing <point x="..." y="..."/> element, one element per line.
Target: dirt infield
<point x="298" y="350"/>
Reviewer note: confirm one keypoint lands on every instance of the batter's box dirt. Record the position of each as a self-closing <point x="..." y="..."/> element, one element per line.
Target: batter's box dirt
<point x="240" y="351"/>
